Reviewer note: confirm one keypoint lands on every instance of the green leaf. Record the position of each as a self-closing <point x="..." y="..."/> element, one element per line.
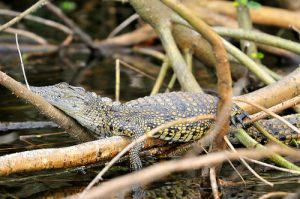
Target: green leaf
<point x="258" y="55"/>
<point x="243" y="2"/>
<point x="68" y="6"/>
<point x="253" y="5"/>
<point x="236" y="3"/>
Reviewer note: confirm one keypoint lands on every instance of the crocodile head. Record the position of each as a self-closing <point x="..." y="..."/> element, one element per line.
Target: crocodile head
<point x="70" y="99"/>
<point x="90" y="110"/>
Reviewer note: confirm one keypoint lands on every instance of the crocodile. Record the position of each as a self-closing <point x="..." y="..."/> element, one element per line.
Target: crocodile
<point x="105" y="117"/>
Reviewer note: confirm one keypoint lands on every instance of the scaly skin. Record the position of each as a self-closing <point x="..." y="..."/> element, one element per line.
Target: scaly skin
<point x="106" y="118"/>
<point x="278" y="129"/>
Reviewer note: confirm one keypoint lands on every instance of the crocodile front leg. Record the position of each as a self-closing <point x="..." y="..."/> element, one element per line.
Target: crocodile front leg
<point x="238" y="115"/>
<point x="135" y="161"/>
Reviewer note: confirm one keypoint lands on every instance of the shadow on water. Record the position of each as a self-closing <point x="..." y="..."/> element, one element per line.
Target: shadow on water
<point x="98" y="76"/>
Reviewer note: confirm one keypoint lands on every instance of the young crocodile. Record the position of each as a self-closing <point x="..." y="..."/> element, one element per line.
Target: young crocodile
<point x="105" y="117"/>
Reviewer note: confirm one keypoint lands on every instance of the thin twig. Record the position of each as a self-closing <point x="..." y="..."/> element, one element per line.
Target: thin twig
<point x="161" y="76"/>
<point x="275" y="194"/>
<point x="76" y="29"/>
<point x="247" y="165"/>
<point x="117" y="94"/>
<point x="185" y="77"/>
<point x="238" y="173"/>
<point x="231" y="164"/>
<point x="171" y="82"/>
<point x="125" y="23"/>
<point x="270" y="113"/>
<point x="22" y="64"/>
<point x="33" y="36"/>
<point x="40" y="20"/>
<point x="277" y="108"/>
<point x="188" y="55"/>
<point x="43" y="21"/>
<point x="23" y="14"/>
<point x="135" y="69"/>
<point x="272" y="166"/>
<point x="148" y="51"/>
<point x="213" y="182"/>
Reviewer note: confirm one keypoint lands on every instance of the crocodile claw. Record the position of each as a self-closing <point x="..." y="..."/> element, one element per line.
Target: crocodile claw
<point x="238" y="115"/>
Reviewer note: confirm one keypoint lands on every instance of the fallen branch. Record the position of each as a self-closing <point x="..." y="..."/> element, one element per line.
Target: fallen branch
<point x="78" y="155"/>
<point x="273" y="94"/>
<point x="264" y="15"/>
<point x="8" y="126"/>
<point x="276" y="109"/>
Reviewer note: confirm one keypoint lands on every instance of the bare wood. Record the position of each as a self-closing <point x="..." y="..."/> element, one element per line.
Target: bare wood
<point x="139" y="35"/>
<point x="276" y="109"/>
<point x="264" y="15"/>
<point x="275" y="194"/>
<point x="78" y="155"/>
<point x="273" y="94"/>
<point x="162" y="24"/>
<point x="213" y="182"/>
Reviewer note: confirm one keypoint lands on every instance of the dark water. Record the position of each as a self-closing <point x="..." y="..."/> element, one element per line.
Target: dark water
<point x="98" y="76"/>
